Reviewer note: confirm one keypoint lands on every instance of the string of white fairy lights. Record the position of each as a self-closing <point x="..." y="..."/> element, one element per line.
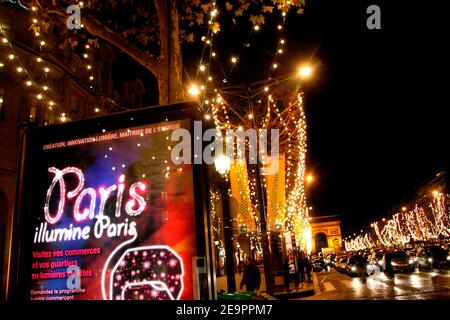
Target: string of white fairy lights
<point x="38" y="83"/>
<point x="422" y="223"/>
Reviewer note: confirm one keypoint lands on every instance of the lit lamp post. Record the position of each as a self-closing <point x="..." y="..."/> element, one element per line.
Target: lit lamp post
<point x="305" y="72"/>
<point x="222" y="165"/>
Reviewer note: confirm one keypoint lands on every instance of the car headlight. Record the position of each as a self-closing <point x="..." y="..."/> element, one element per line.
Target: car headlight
<point x="430" y="259"/>
<point x="411" y="261"/>
<point x="448" y="258"/>
<point x="393" y="263"/>
<point x="353" y="268"/>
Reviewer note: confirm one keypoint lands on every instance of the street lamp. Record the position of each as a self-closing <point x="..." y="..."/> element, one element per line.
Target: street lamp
<point x="194" y="90"/>
<point x="222" y="164"/>
<point x="309" y="178"/>
<point x="305" y="72"/>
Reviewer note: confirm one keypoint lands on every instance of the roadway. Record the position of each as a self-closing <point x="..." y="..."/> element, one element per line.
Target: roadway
<point x="419" y="285"/>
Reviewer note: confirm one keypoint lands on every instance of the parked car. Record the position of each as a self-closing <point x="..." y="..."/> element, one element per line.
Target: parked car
<point x="330" y="260"/>
<point x="319" y="265"/>
<point x="374" y="263"/>
<point x="412" y="253"/>
<point x="341" y="264"/>
<point x="356" y="266"/>
<point x="397" y="261"/>
<point x="433" y="257"/>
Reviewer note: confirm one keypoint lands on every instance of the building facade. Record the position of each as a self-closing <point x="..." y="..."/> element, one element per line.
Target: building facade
<point x="41" y="84"/>
<point x="326" y="234"/>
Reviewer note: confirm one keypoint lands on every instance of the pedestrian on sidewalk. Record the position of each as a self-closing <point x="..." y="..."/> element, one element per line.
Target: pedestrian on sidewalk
<point x="388" y="271"/>
<point x="293" y="274"/>
<point x="286" y="275"/>
<point x="252" y="276"/>
<point x="240" y="267"/>
<point x="362" y="269"/>
<point x="301" y="265"/>
<point x="308" y="268"/>
<point x="296" y="277"/>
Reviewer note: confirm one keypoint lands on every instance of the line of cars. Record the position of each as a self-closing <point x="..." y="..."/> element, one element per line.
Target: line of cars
<point x="390" y="262"/>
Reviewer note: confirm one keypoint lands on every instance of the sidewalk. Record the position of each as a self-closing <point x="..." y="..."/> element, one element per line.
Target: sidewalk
<point x="221" y="283"/>
<point x="305" y="289"/>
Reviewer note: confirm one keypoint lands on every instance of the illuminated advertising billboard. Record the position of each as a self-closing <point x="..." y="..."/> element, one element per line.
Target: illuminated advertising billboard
<point x="105" y="214"/>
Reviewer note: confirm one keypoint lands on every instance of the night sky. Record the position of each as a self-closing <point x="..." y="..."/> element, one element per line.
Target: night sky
<point x="376" y="105"/>
<point x="376" y="110"/>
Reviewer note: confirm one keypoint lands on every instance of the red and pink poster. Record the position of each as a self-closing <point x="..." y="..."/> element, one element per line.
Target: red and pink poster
<point x="113" y="218"/>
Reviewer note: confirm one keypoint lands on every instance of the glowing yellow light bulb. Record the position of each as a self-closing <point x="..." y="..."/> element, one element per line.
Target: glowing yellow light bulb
<point x="305" y="71"/>
<point x="194" y="90"/>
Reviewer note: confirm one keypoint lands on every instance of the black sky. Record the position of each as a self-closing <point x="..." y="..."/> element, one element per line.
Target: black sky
<point x="376" y="109"/>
